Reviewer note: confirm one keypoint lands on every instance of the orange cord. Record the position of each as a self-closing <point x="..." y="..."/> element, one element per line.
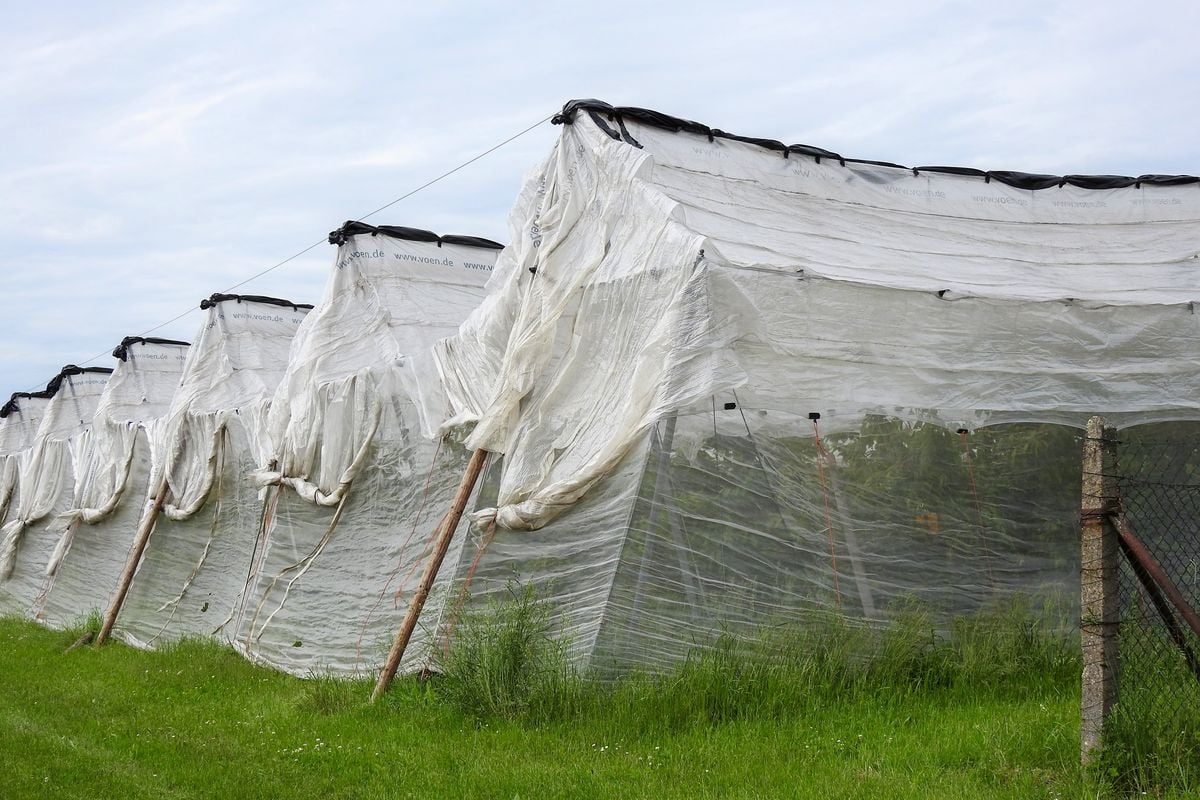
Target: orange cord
<point x="821" y="456"/>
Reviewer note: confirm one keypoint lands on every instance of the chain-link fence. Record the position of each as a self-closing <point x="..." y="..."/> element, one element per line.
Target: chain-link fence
<point x="1155" y="722"/>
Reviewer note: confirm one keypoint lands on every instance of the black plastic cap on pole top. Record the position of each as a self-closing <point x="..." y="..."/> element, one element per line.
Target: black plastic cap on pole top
<point x="602" y="114"/>
<point x="355" y="228"/>
<point x="121" y="351"/>
<point x="70" y="371"/>
<point x="14" y="401"/>
<point x="814" y="415"/>
<point x="220" y="297"/>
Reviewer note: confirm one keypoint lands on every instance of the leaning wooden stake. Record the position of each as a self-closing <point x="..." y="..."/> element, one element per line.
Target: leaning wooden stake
<point x="131" y="565"/>
<point x="445" y="533"/>
<point x="1098" y="588"/>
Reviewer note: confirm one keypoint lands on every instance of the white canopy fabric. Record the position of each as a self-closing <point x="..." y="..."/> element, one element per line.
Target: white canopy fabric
<point x="46" y="476"/>
<point x="727" y="383"/>
<point x="358" y="488"/>
<point x="683" y="314"/>
<point x="19" y="422"/>
<point x="686" y="267"/>
<point x="192" y="574"/>
<point x="114" y="470"/>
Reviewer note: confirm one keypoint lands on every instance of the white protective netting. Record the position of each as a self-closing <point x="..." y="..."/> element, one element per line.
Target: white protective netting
<point x="45" y="481"/>
<point x="358" y="487"/>
<point x="19" y="420"/>
<point x="192" y="575"/>
<point x="676" y="307"/>
<point x="111" y="489"/>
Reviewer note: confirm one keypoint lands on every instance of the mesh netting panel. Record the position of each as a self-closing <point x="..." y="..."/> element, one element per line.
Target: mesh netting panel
<point x="729" y="519"/>
<point x="1158" y="478"/>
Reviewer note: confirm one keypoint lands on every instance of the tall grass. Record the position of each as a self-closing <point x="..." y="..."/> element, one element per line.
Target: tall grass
<point x="195" y="719"/>
<point x="83" y="629"/>
<point x="507" y="662"/>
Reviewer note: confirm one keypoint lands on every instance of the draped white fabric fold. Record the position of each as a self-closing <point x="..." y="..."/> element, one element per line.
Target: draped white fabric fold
<point x="644" y="278"/>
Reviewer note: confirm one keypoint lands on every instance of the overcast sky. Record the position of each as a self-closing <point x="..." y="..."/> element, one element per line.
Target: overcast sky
<point x="154" y="153"/>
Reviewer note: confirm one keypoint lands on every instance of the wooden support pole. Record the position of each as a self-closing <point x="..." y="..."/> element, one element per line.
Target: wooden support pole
<point x="445" y="533"/>
<point x="131" y="565"/>
<point x="1099" y="609"/>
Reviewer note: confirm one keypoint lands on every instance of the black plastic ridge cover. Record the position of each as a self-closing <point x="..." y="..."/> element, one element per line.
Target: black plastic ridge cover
<point x="122" y="350"/>
<point x="354" y="228"/>
<point x="70" y="370"/>
<point x="599" y="110"/>
<point x="212" y="300"/>
<point x="14" y="404"/>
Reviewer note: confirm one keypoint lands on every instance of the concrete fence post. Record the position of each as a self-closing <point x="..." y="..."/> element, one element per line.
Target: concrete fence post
<point x="1099" y="606"/>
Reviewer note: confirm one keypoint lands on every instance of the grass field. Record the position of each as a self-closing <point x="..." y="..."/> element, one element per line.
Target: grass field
<point x="196" y="720"/>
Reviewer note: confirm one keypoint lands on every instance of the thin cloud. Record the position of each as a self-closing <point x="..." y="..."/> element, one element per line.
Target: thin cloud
<point x="155" y="154"/>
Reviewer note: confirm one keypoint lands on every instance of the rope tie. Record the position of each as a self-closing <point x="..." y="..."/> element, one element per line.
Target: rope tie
<point x="489" y="533"/>
<point x="362" y="631"/>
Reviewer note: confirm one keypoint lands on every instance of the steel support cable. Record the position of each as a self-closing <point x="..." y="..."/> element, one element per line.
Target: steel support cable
<point x="323" y="240"/>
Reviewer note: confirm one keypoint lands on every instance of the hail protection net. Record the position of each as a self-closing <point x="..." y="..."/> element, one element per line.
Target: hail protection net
<point x="193" y="574"/>
<point x="46" y="476"/>
<point x="729" y="386"/>
<point x="19" y="421"/>
<point x="114" y="466"/>
<point x="359" y="487"/>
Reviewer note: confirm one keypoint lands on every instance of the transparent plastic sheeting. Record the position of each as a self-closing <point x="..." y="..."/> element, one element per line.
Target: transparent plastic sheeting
<point x="110" y="494"/>
<point x="359" y="488"/>
<point x="46" y="479"/>
<point x="718" y="523"/>
<point x="668" y="317"/>
<point x="192" y="575"/>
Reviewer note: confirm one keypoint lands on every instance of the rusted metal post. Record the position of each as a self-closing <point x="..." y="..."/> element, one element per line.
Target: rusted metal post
<point x="1099" y="609"/>
<point x="131" y="565"/>
<point x="445" y="533"/>
<point x="1147" y="562"/>
<point x="1138" y="559"/>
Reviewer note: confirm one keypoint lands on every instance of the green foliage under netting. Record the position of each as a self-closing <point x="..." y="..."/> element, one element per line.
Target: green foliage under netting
<point x="506" y="661"/>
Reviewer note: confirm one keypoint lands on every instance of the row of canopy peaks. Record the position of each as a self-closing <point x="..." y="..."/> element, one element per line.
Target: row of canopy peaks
<point x="122" y="351"/>
<point x="337" y="237"/>
<point x="52" y="387"/>
<point x="292" y="471"/>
